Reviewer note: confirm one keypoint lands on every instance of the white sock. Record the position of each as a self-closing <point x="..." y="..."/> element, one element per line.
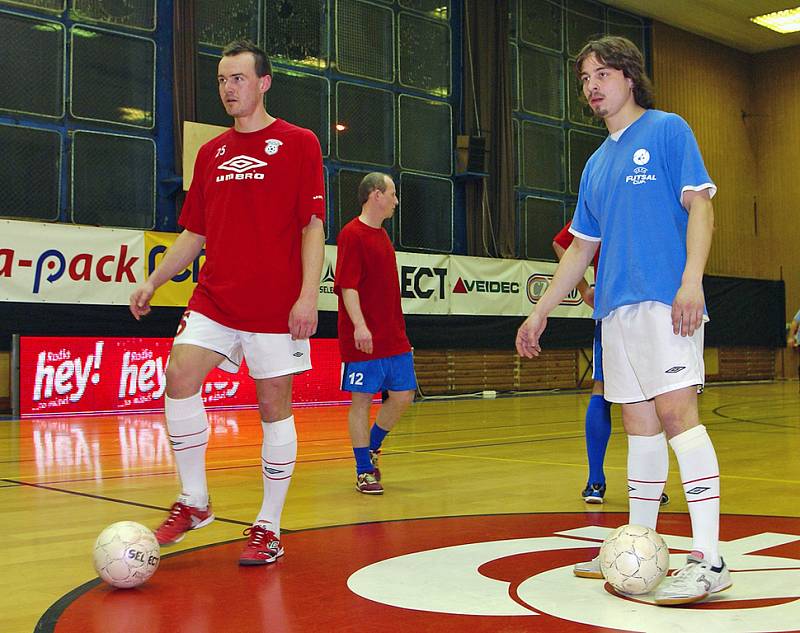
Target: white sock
<point x="697" y="461"/>
<point x="648" y="465"/>
<point x="187" y="424"/>
<point x="278" y="455"/>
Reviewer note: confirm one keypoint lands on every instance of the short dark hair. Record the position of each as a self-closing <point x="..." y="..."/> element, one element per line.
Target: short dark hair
<point x="263" y="65"/>
<point x="620" y="53"/>
<point x="372" y="181"/>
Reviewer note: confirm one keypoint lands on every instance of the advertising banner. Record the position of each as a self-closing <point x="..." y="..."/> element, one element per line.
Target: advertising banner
<point x="69" y="375"/>
<point x="538" y="276"/>
<point x="178" y="290"/>
<point x="479" y="285"/>
<point x="423" y="283"/>
<point x="327" y="299"/>
<point x="67" y="263"/>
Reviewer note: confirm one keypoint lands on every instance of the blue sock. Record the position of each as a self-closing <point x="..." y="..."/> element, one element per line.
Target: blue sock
<point x="363" y="462"/>
<point x="376" y="436"/>
<point x="598" y="430"/>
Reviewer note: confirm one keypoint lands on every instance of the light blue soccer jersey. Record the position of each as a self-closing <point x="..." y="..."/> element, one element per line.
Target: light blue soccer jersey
<point x="630" y="198"/>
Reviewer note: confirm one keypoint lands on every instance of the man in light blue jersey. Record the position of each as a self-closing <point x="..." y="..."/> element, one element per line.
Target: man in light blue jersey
<point x="646" y="194"/>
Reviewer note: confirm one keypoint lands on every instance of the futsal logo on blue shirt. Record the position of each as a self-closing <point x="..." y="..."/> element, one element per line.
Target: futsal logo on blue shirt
<point x="640" y="176"/>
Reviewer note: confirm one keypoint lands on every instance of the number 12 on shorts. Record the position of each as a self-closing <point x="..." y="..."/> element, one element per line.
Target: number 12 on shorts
<point x="356" y="378"/>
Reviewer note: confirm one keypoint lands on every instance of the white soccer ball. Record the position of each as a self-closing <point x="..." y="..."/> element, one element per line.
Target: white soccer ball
<point x="634" y="559"/>
<point x="126" y="554"/>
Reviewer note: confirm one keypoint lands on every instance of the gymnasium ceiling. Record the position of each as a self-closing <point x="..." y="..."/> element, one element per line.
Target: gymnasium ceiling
<point x="724" y="21"/>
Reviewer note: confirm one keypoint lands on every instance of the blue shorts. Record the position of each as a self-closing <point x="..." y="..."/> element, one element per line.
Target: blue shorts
<point x="393" y="373"/>
<point x="597" y="354"/>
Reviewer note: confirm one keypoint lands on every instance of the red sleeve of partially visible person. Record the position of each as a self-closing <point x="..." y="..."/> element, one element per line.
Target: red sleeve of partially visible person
<point x="564" y="238"/>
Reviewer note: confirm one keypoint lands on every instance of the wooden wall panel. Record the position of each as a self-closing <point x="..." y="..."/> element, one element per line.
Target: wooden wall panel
<point x="776" y="108"/>
<point x="456" y="371"/>
<point x="710" y="86"/>
<point x="745" y="112"/>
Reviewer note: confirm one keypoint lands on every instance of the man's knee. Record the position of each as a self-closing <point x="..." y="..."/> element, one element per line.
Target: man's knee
<point x="185" y="375"/>
<point x="274" y="398"/>
<point x="401" y="398"/>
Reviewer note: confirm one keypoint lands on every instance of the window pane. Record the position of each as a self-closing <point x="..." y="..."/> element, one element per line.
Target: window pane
<point x="439" y="9"/>
<point x="113" y="180"/>
<point x="364" y="124"/>
<point x="542" y="219"/>
<point x="219" y="23"/>
<point x="303" y="100"/>
<point x="425" y="135"/>
<point x="424" y="48"/>
<point x="542" y="156"/>
<point x="541" y="82"/>
<point x="581" y="146"/>
<point x="38" y="47"/>
<point x="113" y="77"/>
<point x="584" y="22"/>
<point x="365" y="39"/>
<point x="30" y="178"/>
<point x="541" y="23"/>
<point x="426" y="213"/>
<point x="46" y="5"/>
<point x="139" y="14"/>
<point x="296" y="32"/>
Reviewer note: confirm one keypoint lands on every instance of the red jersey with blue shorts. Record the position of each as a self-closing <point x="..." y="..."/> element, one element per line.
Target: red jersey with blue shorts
<point x="251" y="195"/>
<point x="365" y="262"/>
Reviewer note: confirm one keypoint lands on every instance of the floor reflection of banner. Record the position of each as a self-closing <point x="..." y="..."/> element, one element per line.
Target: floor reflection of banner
<point x="70" y="375"/>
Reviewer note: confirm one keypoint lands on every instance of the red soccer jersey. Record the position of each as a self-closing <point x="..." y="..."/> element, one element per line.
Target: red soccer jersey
<point x="365" y="262"/>
<point x="564" y="239"/>
<point x="251" y="195"/>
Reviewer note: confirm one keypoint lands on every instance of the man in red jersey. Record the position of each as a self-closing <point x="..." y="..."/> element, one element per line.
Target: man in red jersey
<point x="257" y="204"/>
<point x="375" y="351"/>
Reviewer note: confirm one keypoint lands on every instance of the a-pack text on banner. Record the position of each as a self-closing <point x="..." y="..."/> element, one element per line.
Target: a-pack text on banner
<point x="67" y="263"/>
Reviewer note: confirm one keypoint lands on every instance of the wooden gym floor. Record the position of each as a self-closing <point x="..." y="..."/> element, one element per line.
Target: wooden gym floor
<point x="494" y="482"/>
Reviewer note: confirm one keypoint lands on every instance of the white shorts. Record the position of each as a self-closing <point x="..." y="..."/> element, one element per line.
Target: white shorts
<point x="267" y="355"/>
<point x="642" y="358"/>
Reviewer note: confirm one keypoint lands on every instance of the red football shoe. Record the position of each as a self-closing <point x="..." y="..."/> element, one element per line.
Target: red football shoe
<point x="262" y="548"/>
<point x="181" y="519"/>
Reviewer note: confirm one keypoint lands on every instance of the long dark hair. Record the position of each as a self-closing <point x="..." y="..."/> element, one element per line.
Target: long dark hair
<point x="622" y="54"/>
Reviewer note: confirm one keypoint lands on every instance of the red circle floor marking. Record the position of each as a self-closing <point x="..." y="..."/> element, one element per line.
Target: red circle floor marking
<point x="206" y="591"/>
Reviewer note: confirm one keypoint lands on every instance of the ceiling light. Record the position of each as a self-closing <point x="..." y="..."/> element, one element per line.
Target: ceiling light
<point x="787" y="21"/>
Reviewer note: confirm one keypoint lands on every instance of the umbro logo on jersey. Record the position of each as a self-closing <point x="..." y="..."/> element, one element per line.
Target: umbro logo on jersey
<point x="243" y="167"/>
<point x="297" y="354"/>
<point x="676" y="369"/>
